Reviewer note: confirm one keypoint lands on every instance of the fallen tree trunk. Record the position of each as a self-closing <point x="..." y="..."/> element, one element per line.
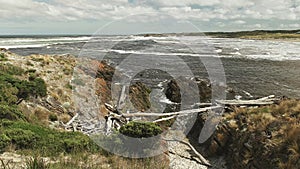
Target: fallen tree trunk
<point x="245" y="102"/>
<point x="183" y="112"/>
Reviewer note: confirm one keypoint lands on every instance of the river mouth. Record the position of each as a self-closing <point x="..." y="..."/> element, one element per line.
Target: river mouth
<point x="263" y="77"/>
<point x="248" y="78"/>
<point x="253" y="68"/>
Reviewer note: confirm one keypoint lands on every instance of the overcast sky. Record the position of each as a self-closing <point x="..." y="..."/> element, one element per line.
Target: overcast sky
<point x="141" y="16"/>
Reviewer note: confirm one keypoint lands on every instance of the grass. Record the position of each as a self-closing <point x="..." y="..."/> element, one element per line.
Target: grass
<point x="3" y="57"/>
<point x="37" y="163"/>
<point x="10" y="69"/>
<point x="264" y="137"/>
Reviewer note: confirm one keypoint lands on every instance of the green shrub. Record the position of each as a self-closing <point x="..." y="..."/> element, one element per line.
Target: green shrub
<point x="21" y="138"/>
<point x="38" y="59"/>
<point x="76" y="144"/>
<point x="46" y="141"/>
<point x="4" y="141"/>
<point x="32" y="76"/>
<point x="53" y="117"/>
<point x="69" y="86"/>
<point x="10" y="112"/>
<point x="37" y="87"/>
<point x="40" y="87"/>
<point x="28" y="63"/>
<point x="11" y="69"/>
<point x="140" y="129"/>
<point x="2" y="57"/>
<point x="8" y="94"/>
<point x="137" y="139"/>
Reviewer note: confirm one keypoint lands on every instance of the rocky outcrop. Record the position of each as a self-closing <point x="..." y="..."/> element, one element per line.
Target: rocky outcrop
<point x="174" y="92"/>
<point x="139" y="95"/>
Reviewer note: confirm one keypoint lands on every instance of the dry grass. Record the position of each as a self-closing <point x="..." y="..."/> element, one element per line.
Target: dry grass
<point x="85" y="161"/>
<point x="264" y="137"/>
<point x="117" y="162"/>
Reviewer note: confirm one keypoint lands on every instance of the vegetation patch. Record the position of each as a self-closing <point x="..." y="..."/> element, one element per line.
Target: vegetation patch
<point x="264" y="137"/>
<point x="43" y="140"/>
<point x="140" y="129"/>
<point x="3" y="57"/>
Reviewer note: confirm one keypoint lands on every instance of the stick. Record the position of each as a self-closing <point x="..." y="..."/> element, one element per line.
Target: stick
<point x="201" y="158"/>
<point x="164" y="119"/>
<point x="73" y="118"/>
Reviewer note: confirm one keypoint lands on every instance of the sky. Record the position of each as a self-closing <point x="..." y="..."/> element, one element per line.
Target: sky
<point x="145" y="16"/>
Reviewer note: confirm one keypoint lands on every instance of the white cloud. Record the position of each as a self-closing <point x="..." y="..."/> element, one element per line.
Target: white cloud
<point x="295" y="25"/>
<point x="181" y="9"/>
<point x="69" y="9"/>
<point x="239" y="22"/>
<point x="237" y="12"/>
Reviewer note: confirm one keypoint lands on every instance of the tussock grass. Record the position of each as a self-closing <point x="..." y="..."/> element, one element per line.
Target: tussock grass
<point x="264" y="137"/>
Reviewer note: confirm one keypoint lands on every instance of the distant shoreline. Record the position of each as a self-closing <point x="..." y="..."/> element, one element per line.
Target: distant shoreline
<point x="287" y="35"/>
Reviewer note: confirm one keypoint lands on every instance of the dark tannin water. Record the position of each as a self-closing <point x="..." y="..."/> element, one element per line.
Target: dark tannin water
<point x="253" y="68"/>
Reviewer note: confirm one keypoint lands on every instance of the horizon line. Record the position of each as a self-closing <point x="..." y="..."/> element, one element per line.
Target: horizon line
<point x="145" y="33"/>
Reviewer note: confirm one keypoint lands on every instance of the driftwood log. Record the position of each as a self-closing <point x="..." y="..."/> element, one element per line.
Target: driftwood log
<point x="198" y="155"/>
<point x="257" y="102"/>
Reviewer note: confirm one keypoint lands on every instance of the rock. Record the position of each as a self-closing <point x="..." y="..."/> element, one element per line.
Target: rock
<point x="173" y="91"/>
<point x="139" y="95"/>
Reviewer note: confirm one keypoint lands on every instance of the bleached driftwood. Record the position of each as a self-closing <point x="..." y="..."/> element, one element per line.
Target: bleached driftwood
<point x="200" y="157"/>
<point x="183" y="112"/>
<point x="258" y="102"/>
<point x="71" y="121"/>
<point x="255" y="102"/>
<point x="164" y="119"/>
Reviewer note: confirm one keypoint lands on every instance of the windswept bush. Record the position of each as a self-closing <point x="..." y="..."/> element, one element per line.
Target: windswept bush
<point x="11" y="69"/>
<point x="140" y="129"/>
<point x="2" y="57"/>
<point x="36" y="87"/>
<point x="8" y="94"/>
<point x="45" y="141"/>
<point x="4" y="141"/>
<point x="21" y="138"/>
<point x="10" y="112"/>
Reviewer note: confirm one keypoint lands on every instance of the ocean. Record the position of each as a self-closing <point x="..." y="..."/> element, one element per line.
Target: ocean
<point x="253" y="68"/>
